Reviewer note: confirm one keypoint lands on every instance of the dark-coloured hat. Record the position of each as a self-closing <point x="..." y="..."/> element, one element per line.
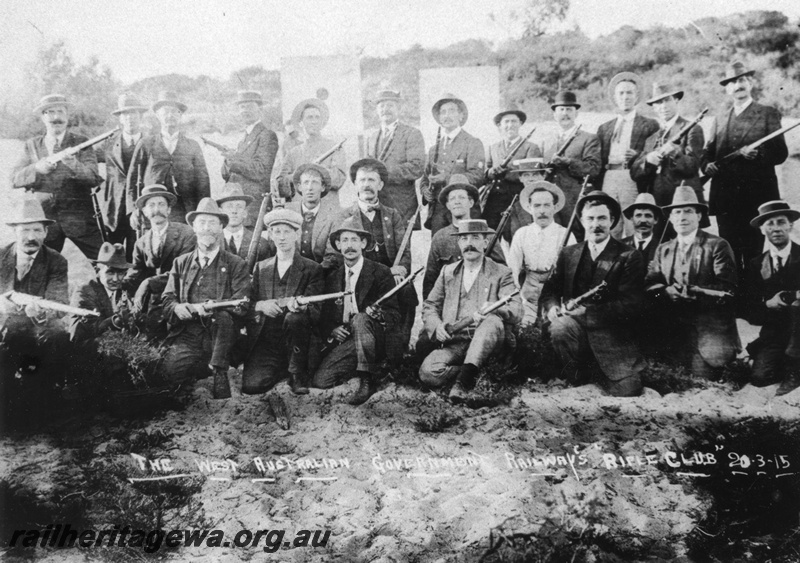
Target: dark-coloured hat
<point x="458" y="182"/>
<point x="643" y="201"/>
<point x="297" y="113"/>
<point x="527" y="191"/>
<point x="772" y="209"/>
<point x="129" y="102"/>
<point x="684" y="196"/>
<point x="625" y="77"/>
<point x="519" y="113"/>
<point x="326" y="176"/>
<point x="113" y="256"/>
<point x="52" y="100"/>
<point x="387" y="95"/>
<point x="28" y="211"/>
<point x="602" y="197"/>
<point x="169" y="98"/>
<point x="232" y="192"/>
<point x="661" y="91"/>
<point x="350" y="225"/>
<point x="735" y="70"/>
<point x="358" y="164"/>
<point x="565" y="98"/>
<point x="283" y="216"/>
<point x="155" y="190"/>
<point x="472" y="227"/>
<point x="450" y="98"/>
<point x="245" y="96"/>
<point x="207" y="206"/>
<point x="518" y="167"/>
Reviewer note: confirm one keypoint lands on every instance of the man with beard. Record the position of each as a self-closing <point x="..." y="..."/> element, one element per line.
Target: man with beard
<point x="458" y="152"/>
<point x="460" y="292"/>
<point x="402" y="150"/>
<point x="598" y="331"/>
<point x="199" y="337"/>
<point x="643" y="214"/>
<point x="354" y="331"/>
<point x="64" y="189"/>
<point x="171" y="159"/>
<point x="250" y="165"/>
<point x="234" y="203"/>
<point x="772" y="290"/>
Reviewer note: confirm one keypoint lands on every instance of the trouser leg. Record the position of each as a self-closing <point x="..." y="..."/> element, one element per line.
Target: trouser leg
<point x="768" y="363"/>
<point x="223" y="335"/>
<point x="266" y="364"/>
<point x="488" y="338"/>
<point x="188" y="355"/>
<point x="369" y="340"/>
<point x="297" y="334"/>
<point x="442" y="365"/>
<point x="337" y="366"/>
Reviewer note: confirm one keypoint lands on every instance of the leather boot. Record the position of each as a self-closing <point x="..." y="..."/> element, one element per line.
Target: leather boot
<point x="464" y="384"/>
<point x="222" y="387"/>
<point x="366" y="388"/>
<point x="789" y="384"/>
<point x="298" y="384"/>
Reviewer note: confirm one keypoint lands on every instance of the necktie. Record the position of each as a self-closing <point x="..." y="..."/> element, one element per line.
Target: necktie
<point x="641" y="246"/>
<point x="349" y="309"/>
<point x="779" y="264"/>
<point x="117" y="297"/>
<point x="157" y="245"/>
<point x="308" y="216"/>
<point x="593" y="252"/>
<point x="205" y="262"/>
<point x="445" y="144"/>
<point x="232" y="245"/>
<point x="56" y="147"/>
<point x="24" y="267"/>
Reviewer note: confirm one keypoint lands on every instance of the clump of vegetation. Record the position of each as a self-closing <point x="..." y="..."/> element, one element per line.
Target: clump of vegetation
<point x="434" y="423"/>
<point x="535" y="356"/>
<point x="140" y="358"/>
<point x="670" y="377"/>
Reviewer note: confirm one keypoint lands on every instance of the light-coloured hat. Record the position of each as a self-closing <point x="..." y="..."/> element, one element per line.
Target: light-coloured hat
<point x="244" y="96"/>
<point x="472" y="227"/>
<point x="772" y="209"/>
<point x="283" y="216"/>
<point x="169" y="98"/>
<point x="350" y="225"/>
<point x="52" y="100"/>
<point x="233" y="192"/>
<point x="297" y="113"/>
<point x="207" y="206"/>
<point x="387" y="95"/>
<point x="113" y="256"/>
<point x="528" y="191"/>
<point x="357" y="165"/>
<point x="684" y="196"/>
<point x="661" y="91"/>
<point x="129" y="102"/>
<point x="735" y="70"/>
<point x="154" y="190"/>
<point x="28" y="211"/>
<point x="625" y="77"/>
<point x="602" y="197"/>
<point x="643" y="200"/>
<point x="458" y="182"/>
<point x="321" y="170"/>
<point x="450" y="98"/>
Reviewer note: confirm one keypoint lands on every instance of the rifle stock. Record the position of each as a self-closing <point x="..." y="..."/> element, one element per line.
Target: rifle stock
<point x="219" y="146"/>
<point x="301" y="300"/>
<point x="576" y="302"/>
<point x="325" y="156"/>
<point x="559" y="153"/>
<point x="487" y="308"/>
<point x="70" y="151"/>
<point x="98" y="215"/>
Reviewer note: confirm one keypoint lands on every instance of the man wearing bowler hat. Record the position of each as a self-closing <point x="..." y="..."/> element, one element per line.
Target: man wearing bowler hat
<point x="598" y="332"/>
<point x="740" y="185"/>
<point x="234" y="203"/>
<point x="171" y="159"/>
<point x="645" y="215"/>
<point x="401" y="149"/>
<point x="64" y="189"/>
<point x="772" y="290"/>
<point x="698" y="329"/>
<point x="457" y="152"/>
<point x="250" y="165"/>
<point x="461" y="290"/>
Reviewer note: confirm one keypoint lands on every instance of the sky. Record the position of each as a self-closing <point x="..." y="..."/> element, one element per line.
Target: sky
<point x="140" y="38"/>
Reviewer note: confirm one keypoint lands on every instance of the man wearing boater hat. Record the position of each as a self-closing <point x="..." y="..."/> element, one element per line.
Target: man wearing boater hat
<point x="402" y="150"/>
<point x="644" y="214"/>
<point x="740" y="185"/>
<point x="503" y="186"/>
<point x="64" y="189"/>
<point x="171" y="159"/>
<point x="772" y="289"/>
<point x="461" y="290"/>
<point x="250" y="165"/>
<point x="234" y="203"/>
<point x="698" y="329"/>
<point x="457" y="152"/>
<point x="622" y="139"/>
<point x="600" y="330"/>
<point x="116" y="204"/>
<point x="200" y="339"/>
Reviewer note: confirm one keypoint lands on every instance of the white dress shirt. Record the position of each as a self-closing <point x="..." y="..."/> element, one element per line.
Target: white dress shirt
<point x="158" y="236"/>
<point x="131" y="139"/>
<point x="597" y="249"/>
<point x="238" y="236"/>
<point x="356" y="269"/>
<point x="534" y="248"/>
<point x="170" y="141"/>
<point x="24" y="263"/>
<point x="616" y="153"/>
<point x="739" y="109"/>
<point x="202" y="255"/>
<point x="783" y="254"/>
<point x="470" y="275"/>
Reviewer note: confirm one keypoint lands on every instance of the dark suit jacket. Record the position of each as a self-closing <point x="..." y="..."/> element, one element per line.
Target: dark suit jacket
<point x="326" y="221"/>
<point x="608" y="323"/>
<point x="180" y="239"/>
<point x="643" y="127"/>
<point x="251" y="166"/>
<point x="762" y="285"/>
<point x="114" y="193"/>
<point x="742" y="185"/>
<point x="405" y="161"/>
<point x="265" y="248"/>
<point x="47" y="276"/>
<point x="501" y="194"/>
<point x="584" y="152"/>
<point x="186" y="165"/>
<point x="648" y="252"/>
<point x="93" y="296"/>
<point x="374" y="281"/>
<point x="394" y="229"/>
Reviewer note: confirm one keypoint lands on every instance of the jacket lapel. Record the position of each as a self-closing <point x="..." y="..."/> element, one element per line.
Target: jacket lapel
<point x="191" y="274"/>
<point x="8" y="269"/>
<point x="295" y="274"/>
<point x="605" y="262"/>
<point x="364" y="284"/>
<point x="696" y="254"/>
<point x="453" y="284"/>
<point x="573" y="260"/>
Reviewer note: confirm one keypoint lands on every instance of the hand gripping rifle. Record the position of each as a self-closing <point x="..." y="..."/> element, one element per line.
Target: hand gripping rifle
<point x="211" y="305"/>
<point x="23" y="299"/>
<point x="681" y="135"/>
<point x="406" y="238"/>
<point x="551" y="174"/>
<point x="576" y="302"/>
<point x="72" y="151"/>
<point x="466" y="322"/>
<point x="375" y="310"/>
<point x="333" y="150"/>
<point x="219" y="146"/>
<point x="487" y="188"/>
<point x="504" y="217"/>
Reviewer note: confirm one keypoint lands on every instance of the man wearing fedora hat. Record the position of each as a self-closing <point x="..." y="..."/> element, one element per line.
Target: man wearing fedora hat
<point x="698" y="330"/>
<point x="771" y="290"/>
<point x="233" y="202"/>
<point x="64" y="189"/>
<point x="644" y="214"/>
<point x="622" y="139"/>
<point x="312" y="115"/>
<point x="32" y="335"/>
<point x="535" y="247"/>
<point x="662" y="166"/>
<point x="461" y="290"/>
<point x="250" y="165"/>
<point x="742" y="184"/>
<point x="279" y="338"/>
<point x="580" y="153"/>
<point x="502" y="185"/>
<point x="356" y="336"/>
<point x="171" y="159"/>
<point x="199" y="337"/>
<point x="600" y="331"/>
<point x="401" y="148"/>
<point x="457" y="152"/>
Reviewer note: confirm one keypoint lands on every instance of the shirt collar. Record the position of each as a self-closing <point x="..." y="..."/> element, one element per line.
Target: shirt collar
<point x="389" y="129"/>
<point x="538" y="229"/>
<point x="564" y="134"/>
<point x="356" y="268"/>
<point x="782" y="253"/>
<point x="305" y="209"/>
<point x="168" y="137"/>
<point x="628" y="117"/>
<point x="739" y="109"/>
<point x="453" y="134"/>
<point x="23" y="258"/>
<point x="162" y="231"/>
<point x="211" y="255"/>
<point x="687" y="239"/>
<point x="637" y="240"/>
<point x="57" y="139"/>
<point x="131" y="139"/>
<point x="364" y="207"/>
<point x="600" y="246"/>
<point x="671" y="123"/>
<point x="249" y="128"/>
<point x="238" y="235"/>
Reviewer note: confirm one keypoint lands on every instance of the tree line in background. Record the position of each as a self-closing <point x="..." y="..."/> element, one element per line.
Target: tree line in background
<point x="532" y="69"/>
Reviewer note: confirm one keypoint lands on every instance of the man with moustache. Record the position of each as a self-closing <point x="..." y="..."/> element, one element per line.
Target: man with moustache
<point x="199" y="337"/>
<point x="599" y="331"/>
<point x="772" y="290"/>
<point x="699" y="329"/>
<point x="402" y="150"/>
<point x="580" y="158"/>
<point x="233" y="202"/>
<point x="250" y="165"/>
<point x="458" y="152"/>
<point x="171" y="159"/>
<point x="353" y="329"/>
<point x="503" y="186"/>
<point x="64" y="189"/>
<point x="280" y="336"/>
<point x="461" y="290"/>
<point x="622" y="139"/>
<point x="644" y="215"/>
<point x="740" y="185"/>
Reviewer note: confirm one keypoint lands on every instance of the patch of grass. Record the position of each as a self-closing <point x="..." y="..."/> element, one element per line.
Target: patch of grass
<point x="668" y="377"/>
<point x="535" y="355"/>
<point x="434" y="423"/>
